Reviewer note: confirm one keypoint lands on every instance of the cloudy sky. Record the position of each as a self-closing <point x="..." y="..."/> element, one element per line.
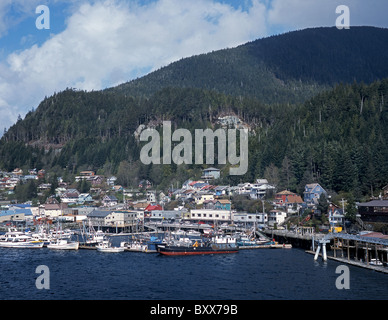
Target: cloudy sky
<point x="94" y="44"/>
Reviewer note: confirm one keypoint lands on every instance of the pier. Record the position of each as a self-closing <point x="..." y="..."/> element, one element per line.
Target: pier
<point x="302" y="237"/>
<point x="369" y="252"/>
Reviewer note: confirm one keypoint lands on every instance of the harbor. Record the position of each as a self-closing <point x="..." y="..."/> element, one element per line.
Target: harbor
<point x="173" y="239"/>
<point x="247" y="275"/>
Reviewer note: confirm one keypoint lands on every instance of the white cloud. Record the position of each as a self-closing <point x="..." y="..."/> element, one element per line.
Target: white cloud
<point x="106" y="43"/>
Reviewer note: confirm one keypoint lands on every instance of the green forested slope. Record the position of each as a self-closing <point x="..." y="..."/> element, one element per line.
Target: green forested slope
<point x="338" y="137"/>
<point x="287" y="68"/>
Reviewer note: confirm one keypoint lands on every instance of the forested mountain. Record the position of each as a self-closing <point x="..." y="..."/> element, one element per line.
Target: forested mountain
<point x="338" y="136"/>
<point x="280" y="69"/>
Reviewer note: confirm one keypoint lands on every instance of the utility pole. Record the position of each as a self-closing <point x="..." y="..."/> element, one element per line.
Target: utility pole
<point x="343" y="210"/>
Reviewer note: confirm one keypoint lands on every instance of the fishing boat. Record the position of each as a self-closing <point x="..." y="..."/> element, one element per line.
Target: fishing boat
<point x="142" y="245"/>
<point x="106" y="246"/>
<point x="95" y="237"/>
<point x="246" y="241"/>
<point x="135" y="246"/>
<point x="218" y="245"/>
<point x="19" y="239"/>
<point x="193" y="233"/>
<point x="42" y="235"/>
<point x="63" y="244"/>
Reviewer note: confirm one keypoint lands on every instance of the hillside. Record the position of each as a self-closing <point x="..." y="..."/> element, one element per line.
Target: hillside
<point x="337" y="137"/>
<point x="288" y="68"/>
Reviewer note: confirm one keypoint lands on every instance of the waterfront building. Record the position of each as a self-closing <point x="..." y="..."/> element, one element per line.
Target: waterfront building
<point x="211" y="215"/>
<point x="16" y="215"/>
<point x="250" y="219"/>
<point x="107" y="218"/>
<point x="374" y="211"/>
<point x="165" y="215"/>
<point x="276" y="217"/>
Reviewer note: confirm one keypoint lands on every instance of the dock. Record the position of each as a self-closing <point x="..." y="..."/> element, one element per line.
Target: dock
<point x="267" y="246"/>
<point x="356" y="250"/>
<point x="355" y="263"/>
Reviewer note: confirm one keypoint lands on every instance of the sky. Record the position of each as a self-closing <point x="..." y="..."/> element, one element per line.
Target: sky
<point x="95" y="44"/>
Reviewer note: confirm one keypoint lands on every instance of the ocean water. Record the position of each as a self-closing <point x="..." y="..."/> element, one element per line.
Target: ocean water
<point x="264" y="274"/>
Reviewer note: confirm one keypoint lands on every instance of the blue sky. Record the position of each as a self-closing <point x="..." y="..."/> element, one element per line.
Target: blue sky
<point x="94" y="44"/>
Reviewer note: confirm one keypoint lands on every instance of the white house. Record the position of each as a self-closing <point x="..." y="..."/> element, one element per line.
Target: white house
<point x="201" y="198"/>
<point x="111" y="181"/>
<point x="85" y="198"/>
<point x="276" y="217"/>
<point x="110" y="201"/>
<point x="210" y="173"/>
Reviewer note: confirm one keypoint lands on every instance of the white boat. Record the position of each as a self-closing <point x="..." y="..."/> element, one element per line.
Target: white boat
<point x="60" y="234"/>
<point x="106" y="246"/>
<point x="135" y="246"/>
<point x="41" y="235"/>
<point x="63" y="244"/>
<point x="375" y="262"/>
<point x="178" y="232"/>
<point x="96" y="237"/>
<point x="193" y="233"/>
<point x="19" y="239"/>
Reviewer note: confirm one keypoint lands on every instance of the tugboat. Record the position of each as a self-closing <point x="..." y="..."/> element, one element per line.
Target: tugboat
<point x="219" y="245"/>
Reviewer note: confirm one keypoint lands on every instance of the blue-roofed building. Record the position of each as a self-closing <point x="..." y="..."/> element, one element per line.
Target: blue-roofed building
<point x="16" y="215"/>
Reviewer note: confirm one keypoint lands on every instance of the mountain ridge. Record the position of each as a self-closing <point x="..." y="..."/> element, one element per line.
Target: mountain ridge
<point x="271" y="69"/>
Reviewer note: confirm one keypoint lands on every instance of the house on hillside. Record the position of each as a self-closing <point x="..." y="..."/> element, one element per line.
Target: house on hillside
<point x="70" y="196"/>
<point x="111" y="181"/>
<point x="200" y="198"/>
<point x="223" y="204"/>
<point x="290" y="201"/>
<point x="312" y="192"/>
<point x="336" y="215"/>
<point x="210" y="174"/>
<point x="145" y="184"/>
<point x="85" y="198"/>
<point x="109" y="201"/>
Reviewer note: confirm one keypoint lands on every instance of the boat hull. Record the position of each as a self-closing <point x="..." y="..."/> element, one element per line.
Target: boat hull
<point x="190" y="251"/>
<point x="111" y="250"/>
<point x="22" y="245"/>
<point x="67" y="246"/>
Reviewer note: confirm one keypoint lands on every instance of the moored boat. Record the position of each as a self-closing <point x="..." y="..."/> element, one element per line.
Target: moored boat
<point x="219" y="245"/>
<point x="106" y="246"/>
<point x="19" y="239"/>
<point x="63" y="244"/>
